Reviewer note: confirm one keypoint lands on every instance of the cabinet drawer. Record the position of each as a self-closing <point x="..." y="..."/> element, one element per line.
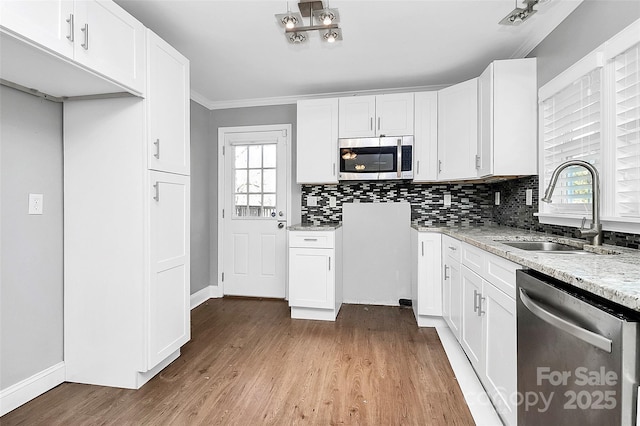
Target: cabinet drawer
<point x="451" y="248"/>
<point x="472" y="258"/>
<point x="502" y="274"/>
<point x="311" y="239"/>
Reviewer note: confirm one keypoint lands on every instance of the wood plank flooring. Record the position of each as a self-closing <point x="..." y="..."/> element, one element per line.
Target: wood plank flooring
<point x="248" y="363"/>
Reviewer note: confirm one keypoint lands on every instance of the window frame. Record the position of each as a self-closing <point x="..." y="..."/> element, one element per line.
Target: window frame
<point x="602" y="57"/>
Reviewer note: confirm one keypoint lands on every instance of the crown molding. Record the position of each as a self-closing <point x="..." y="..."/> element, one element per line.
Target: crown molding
<point x="287" y="100"/>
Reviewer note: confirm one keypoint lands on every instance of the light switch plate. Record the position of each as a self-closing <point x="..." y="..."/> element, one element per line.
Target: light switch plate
<point x="332" y="201"/>
<point x="36" y="203"/>
<point x="447" y="200"/>
<point x="497" y="198"/>
<point x="529" y="197"/>
<point x="312" y="201"/>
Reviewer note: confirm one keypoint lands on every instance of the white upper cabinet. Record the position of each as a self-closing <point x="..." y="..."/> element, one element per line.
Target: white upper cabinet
<point x="48" y="23"/>
<point x="168" y="108"/>
<point x="369" y="116"/>
<point x="507" y="119"/>
<point x="458" y="131"/>
<point x="98" y="36"/>
<point x="110" y="41"/>
<point x="317" y="141"/>
<point x="425" y="143"/>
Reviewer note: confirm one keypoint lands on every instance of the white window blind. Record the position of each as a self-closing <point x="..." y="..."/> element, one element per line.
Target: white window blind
<point x="572" y="131"/>
<point x="627" y="132"/>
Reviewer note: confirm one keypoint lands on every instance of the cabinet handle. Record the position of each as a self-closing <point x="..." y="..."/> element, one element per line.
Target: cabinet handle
<point x="480" y="299"/>
<point x="422" y="243"/>
<point x="85" y="30"/>
<point x="70" y="37"/>
<point x="453" y="248"/>
<point x="446" y="268"/>
<point x="329" y="263"/>
<point x="475" y="300"/>
<point x="439" y="166"/>
<point x="311" y="239"/>
<point x="156" y="186"/>
<point x="379" y="121"/>
<point x="477" y="162"/>
<point x="370" y="123"/>
<point x="157" y="144"/>
<point x="334" y="169"/>
<point x="418" y="167"/>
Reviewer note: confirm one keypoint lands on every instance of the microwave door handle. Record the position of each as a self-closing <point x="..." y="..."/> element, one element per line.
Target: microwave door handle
<point x="399" y="165"/>
<point x="583" y="334"/>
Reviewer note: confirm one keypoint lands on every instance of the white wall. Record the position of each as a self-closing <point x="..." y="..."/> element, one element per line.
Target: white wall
<point x="31" y="283"/>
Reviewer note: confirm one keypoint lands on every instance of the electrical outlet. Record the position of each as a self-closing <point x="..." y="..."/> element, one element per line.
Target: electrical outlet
<point x="497" y="199"/>
<point x="447" y="200"/>
<point x="36" y="203"/>
<point x="332" y="201"/>
<point x="312" y="201"/>
<point x="529" y="197"/>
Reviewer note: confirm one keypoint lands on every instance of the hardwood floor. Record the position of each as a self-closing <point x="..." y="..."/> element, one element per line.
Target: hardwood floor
<point x="248" y="363"/>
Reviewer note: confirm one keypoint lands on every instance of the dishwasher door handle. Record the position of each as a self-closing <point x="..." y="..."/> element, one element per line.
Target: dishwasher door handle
<point x="583" y="334"/>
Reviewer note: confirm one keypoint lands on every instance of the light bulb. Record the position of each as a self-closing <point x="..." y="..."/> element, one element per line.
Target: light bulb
<point x="289" y="21"/>
<point x="327" y="20"/>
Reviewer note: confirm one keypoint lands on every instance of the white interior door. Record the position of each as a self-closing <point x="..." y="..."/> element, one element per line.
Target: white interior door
<point x="255" y="213"/>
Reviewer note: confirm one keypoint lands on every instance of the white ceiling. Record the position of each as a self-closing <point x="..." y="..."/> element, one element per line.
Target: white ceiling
<point x="240" y="57"/>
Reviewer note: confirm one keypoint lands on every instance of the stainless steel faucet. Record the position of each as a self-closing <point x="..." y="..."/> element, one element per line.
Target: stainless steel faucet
<point x="595" y="232"/>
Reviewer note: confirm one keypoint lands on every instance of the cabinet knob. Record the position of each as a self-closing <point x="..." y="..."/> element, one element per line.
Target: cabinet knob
<point x="280" y="225"/>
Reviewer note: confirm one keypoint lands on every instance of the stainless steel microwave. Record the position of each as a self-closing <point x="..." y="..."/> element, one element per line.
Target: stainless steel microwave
<point x="383" y="158"/>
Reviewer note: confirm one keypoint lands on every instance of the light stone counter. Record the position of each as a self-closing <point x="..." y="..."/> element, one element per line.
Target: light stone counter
<point x="312" y="227"/>
<point x="608" y="271"/>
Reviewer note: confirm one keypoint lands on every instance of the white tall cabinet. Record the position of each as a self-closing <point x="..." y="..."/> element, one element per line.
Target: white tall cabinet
<point x="127" y="230"/>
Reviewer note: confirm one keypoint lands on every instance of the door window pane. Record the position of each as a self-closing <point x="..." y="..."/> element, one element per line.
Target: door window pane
<point x="255" y="180"/>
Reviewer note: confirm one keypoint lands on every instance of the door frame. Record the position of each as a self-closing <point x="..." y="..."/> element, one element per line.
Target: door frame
<point x="290" y="196"/>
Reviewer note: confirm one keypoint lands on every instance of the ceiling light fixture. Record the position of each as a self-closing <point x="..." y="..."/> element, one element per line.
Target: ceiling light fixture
<point x="519" y="15"/>
<point x="321" y="18"/>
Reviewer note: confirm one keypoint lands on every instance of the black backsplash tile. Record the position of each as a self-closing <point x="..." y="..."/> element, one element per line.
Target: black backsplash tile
<point x="471" y="204"/>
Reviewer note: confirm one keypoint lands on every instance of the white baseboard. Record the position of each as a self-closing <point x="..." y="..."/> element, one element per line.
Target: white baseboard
<point x="29" y="388"/>
<point x="201" y="296"/>
<point x="482" y="411"/>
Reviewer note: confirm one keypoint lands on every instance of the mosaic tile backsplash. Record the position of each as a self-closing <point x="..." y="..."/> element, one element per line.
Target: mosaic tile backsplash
<point x="471" y="204"/>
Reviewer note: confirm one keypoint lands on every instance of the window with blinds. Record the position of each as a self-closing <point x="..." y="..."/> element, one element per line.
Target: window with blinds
<point x="626" y="87"/>
<point x="572" y="131"/>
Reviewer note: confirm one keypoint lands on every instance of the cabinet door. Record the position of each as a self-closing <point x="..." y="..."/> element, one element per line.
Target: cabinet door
<point x="458" y="131"/>
<point x="317" y="141"/>
<point x="357" y="116"/>
<point x="455" y="290"/>
<point x="472" y="339"/>
<point x="394" y="114"/>
<point x="311" y="278"/>
<point x="500" y="351"/>
<point x="48" y="23"/>
<point x="429" y="278"/>
<point x="111" y="42"/>
<point x="168" y="107"/>
<point x="485" y="123"/>
<point x="425" y="142"/>
<point x="169" y="288"/>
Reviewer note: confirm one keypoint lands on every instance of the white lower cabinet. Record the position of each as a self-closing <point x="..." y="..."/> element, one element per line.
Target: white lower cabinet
<point x="489" y="325"/>
<point x="451" y="285"/>
<point x="315" y="274"/>
<point x="426" y="278"/>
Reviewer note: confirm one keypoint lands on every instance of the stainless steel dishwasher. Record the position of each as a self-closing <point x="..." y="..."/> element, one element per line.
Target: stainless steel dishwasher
<point x="578" y="356"/>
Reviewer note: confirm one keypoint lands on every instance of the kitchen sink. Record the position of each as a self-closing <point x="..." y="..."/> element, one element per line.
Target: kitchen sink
<point x="544" y="246"/>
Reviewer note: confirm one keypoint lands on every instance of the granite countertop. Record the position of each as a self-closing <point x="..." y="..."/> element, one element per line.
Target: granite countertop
<point x="312" y="227"/>
<point x="612" y="272"/>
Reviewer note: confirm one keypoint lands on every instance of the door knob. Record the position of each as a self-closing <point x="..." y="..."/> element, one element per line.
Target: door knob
<point x="280" y="213"/>
<point x="280" y="225"/>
